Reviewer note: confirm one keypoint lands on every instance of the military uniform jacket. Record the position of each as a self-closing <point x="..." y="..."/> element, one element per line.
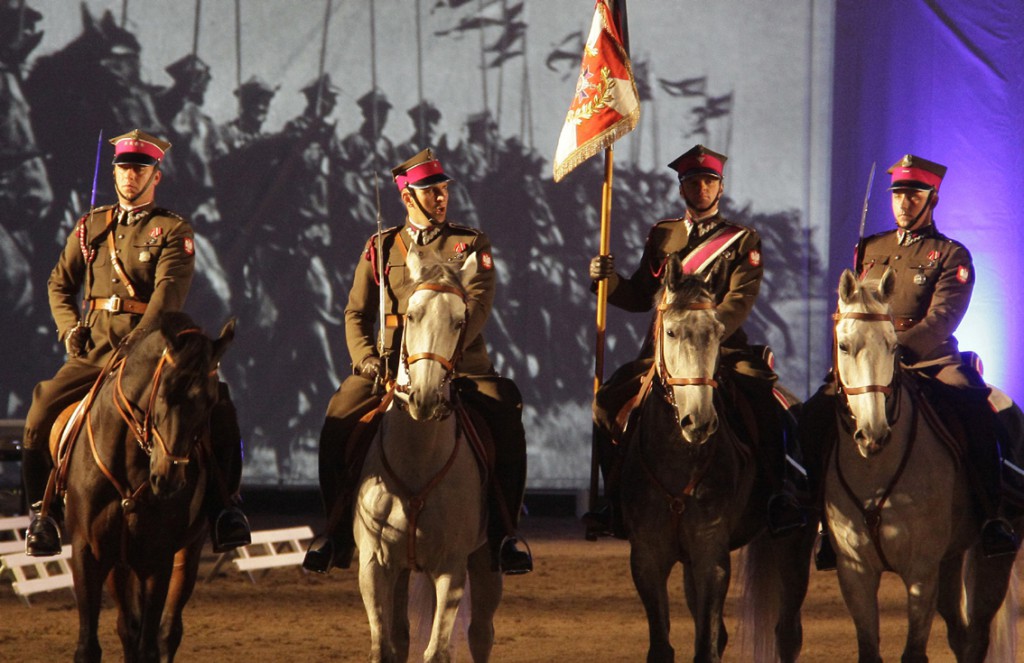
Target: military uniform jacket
<point x="455" y="244"/>
<point x="934" y="280"/>
<point x="156" y="252"/>
<point x="734" y="277"/>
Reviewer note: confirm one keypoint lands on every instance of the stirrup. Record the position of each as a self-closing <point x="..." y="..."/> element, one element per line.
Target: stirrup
<point x="518" y="562"/>
<point x="998" y="538"/>
<point x="42" y="538"/>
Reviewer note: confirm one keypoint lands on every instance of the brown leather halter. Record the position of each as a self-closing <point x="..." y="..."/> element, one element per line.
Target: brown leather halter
<point x="669" y="381"/>
<point x="447" y="362"/>
<point x="866" y="389"/>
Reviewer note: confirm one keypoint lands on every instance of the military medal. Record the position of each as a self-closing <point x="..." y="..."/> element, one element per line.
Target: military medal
<point x="920" y="278"/>
<point x="145" y="256"/>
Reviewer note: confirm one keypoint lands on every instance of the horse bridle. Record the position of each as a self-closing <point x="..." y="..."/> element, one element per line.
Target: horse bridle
<point x="447" y="362"/>
<point x="872" y="516"/>
<point x="144" y="431"/>
<point x="667" y="380"/>
<point x="887" y="389"/>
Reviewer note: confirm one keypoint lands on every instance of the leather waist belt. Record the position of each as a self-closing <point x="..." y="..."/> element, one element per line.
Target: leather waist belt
<point x="393" y="320"/>
<point x="903" y="324"/>
<point x="116" y="304"/>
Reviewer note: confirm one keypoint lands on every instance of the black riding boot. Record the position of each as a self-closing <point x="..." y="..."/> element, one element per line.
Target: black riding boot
<point x="43" y="536"/>
<point x="818" y="435"/>
<point x="997" y="534"/>
<point x="606" y="520"/>
<point x="229" y="528"/>
<point x="784" y="511"/>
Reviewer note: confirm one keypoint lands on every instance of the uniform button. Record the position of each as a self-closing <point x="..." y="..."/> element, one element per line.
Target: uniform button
<point x="896" y="257"/>
<point x="120" y="236"/>
<point x="115" y="280"/>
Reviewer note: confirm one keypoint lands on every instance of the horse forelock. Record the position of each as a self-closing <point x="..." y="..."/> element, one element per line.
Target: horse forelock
<point x="441" y="274"/>
<point x="678" y="293"/>
<point x="866" y="296"/>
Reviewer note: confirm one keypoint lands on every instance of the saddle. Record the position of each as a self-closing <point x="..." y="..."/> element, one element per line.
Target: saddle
<point x="473" y="424"/>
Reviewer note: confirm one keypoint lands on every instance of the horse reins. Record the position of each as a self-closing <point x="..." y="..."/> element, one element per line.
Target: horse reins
<point x="143" y="431"/>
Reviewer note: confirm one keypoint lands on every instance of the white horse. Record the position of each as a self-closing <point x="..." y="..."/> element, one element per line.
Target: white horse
<point x="897" y="497"/>
<point x="421" y="500"/>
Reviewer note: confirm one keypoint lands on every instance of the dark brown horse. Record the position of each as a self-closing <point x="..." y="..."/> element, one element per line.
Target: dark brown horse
<point x="135" y="479"/>
<point x="692" y="492"/>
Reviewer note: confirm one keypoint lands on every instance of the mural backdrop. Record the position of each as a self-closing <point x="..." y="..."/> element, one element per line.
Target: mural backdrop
<point x="280" y="176"/>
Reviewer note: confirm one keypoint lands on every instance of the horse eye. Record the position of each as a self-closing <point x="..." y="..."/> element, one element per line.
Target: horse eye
<point x="670" y="333"/>
<point x="843" y="348"/>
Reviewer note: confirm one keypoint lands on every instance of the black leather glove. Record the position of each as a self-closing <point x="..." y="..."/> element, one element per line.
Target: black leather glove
<point x="371" y="367"/>
<point x="602" y="267"/>
<point x="74" y="341"/>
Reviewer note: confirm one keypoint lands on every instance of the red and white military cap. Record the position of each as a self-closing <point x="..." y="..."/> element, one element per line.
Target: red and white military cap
<point x="912" y="172"/>
<point x="699" y="160"/>
<point x="138" y="147"/>
<point x="420" y="172"/>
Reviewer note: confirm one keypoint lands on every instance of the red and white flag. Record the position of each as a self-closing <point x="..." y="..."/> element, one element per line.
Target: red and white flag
<point x="606" y="105"/>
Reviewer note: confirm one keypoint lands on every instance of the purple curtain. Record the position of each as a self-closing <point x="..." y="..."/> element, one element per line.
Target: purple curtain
<point x="943" y="80"/>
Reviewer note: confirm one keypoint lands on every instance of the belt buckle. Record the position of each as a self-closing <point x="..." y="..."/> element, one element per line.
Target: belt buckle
<point x="114" y="304"/>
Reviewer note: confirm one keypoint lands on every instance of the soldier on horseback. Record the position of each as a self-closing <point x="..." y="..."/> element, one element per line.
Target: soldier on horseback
<point x="728" y="256"/>
<point x="934" y="277"/>
<point x="134" y="261"/>
<point x="348" y="427"/>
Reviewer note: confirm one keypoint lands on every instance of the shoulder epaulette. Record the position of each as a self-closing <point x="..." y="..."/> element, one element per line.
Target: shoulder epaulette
<point x="461" y="228"/>
<point x="386" y="233"/>
<point x="161" y="211"/>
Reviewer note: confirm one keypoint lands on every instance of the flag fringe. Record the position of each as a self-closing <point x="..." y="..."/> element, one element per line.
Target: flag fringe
<point x="597" y="143"/>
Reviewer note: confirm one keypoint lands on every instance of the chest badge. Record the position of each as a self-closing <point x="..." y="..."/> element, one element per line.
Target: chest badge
<point x="460" y="247"/>
<point x="156" y="232"/>
<point x="933" y="255"/>
<point x="145" y="256"/>
<point x="920" y="278"/>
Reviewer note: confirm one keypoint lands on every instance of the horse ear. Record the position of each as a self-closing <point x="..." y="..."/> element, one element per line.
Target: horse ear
<point x="673" y="271"/>
<point x="469" y="269"/>
<point x="227" y="335"/>
<point x="847" y="286"/>
<point x="413" y="263"/>
<point x="887" y="285"/>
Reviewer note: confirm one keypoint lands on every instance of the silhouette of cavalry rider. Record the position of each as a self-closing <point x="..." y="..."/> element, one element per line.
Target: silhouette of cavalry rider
<point x="134" y="261"/>
<point x="254" y="97"/>
<point x="424" y="192"/>
<point x="728" y="256"/>
<point x="934" y="280"/>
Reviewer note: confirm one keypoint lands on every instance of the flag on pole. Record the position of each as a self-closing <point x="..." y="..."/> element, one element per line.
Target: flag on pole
<point x="606" y="105"/>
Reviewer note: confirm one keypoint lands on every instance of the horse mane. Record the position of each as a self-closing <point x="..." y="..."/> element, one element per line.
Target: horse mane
<point x="192" y="353"/>
<point x="435" y="271"/>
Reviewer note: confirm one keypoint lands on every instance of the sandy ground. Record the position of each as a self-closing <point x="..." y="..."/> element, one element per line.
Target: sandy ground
<point x="578" y="605"/>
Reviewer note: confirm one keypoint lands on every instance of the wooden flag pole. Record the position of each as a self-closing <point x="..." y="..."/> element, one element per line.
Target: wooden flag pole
<point x="602" y="317"/>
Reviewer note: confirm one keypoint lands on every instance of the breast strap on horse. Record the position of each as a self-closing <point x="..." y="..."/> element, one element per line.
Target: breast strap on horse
<point x="873" y="516"/>
<point x="415" y="501"/>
